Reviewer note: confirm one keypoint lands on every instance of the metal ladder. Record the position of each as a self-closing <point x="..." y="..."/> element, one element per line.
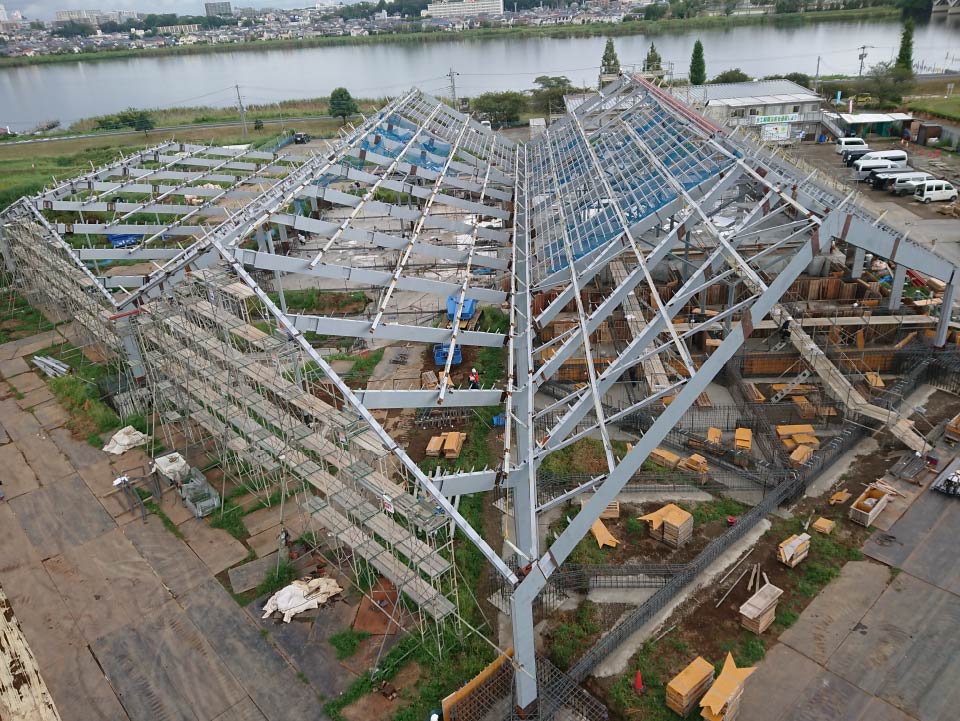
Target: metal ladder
<point x="800" y="378"/>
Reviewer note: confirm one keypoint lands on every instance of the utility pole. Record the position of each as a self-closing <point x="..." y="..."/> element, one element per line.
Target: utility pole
<point x="243" y="111"/>
<point x="816" y="80"/>
<point x="863" y="56"/>
<point x="453" y="86"/>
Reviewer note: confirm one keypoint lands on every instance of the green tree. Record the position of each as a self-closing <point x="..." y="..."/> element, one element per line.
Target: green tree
<point x="258" y="124"/>
<point x="734" y="75"/>
<point x="71" y="29"/>
<point x="905" y="56"/>
<point x="610" y="64"/>
<point x="548" y="97"/>
<point x="655" y="12"/>
<point x="653" y="61"/>
<point x="342" y="104"/>
<point x="698" y="66"/>
<point x="887" y="83"/>
<point x="729" y="6"/>
<point x="144" y="122"/>
<point x="500" y="108"/>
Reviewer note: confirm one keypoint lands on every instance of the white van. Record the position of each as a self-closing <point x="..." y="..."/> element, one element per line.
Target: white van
<point x="899" y="157"/>
<point x="849" y="144"/>
<point x="862" y="168"/>
<point x="906" y="184"/>
<point x="880" y="179"/>
<point x="930" y="190"/>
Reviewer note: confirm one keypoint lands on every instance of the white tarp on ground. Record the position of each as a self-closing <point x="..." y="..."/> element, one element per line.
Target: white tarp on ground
<point x="301" y="596"/>
<point x="173" y="466"/>
<point x="125" y="439"/>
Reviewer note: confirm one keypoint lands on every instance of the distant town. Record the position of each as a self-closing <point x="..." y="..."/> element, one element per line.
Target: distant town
<point x="76" y="32"/>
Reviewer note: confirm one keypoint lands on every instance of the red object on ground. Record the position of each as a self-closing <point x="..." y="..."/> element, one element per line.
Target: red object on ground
<point x="638" y="683"/>
<point x="731" y="520"/>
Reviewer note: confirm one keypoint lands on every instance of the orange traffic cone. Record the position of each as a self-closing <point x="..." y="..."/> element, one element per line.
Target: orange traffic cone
<point x="638" y="683"/>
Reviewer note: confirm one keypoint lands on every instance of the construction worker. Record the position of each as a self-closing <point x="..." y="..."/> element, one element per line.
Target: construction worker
<point x="474" y="379"/>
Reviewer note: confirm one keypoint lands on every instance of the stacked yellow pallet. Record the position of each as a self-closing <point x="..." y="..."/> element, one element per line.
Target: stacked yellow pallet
<point x="688" y="686"/>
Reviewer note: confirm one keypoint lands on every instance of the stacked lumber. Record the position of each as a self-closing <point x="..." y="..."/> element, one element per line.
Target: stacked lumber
<point x="664" y="458"/>
<point x="703" y="401"/>
<point x="695" y="463"/>
<point x="794" y="549"/>
<point x="789" y="444"/>
<point x="611" y="511"/>
<point x="435" y="445"/>
<point x="453" y="444"/>
<point x="807" y="439"/>
<point x="807" y="409"/>
<point x="824" y="525"/>
<point x="670" y="525"/>
<point x="689" y="686"/>
<point x="800" y="455"/>
<point x="722" y="700"/>
<point x="787" y="431"/>
<point x="758" y="612"/>
<point x="797" y="388"/>
<point x="743" y="439"/>
<point x="874" y="380"/>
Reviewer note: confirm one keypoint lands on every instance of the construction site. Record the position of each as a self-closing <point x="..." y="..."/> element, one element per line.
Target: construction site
<point x="577" y="426"/>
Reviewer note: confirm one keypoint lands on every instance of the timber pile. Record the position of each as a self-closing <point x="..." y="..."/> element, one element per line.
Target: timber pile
<point x="611" y="511"/>
<point x="794" y="549"/>
<point x="664" y="458"/>
<point x="670" y="525"/>
<point x="453" y="444"/>
<point x="722" y="700"/>
<point x="824" y="525"/>
<point x="800" y="455"/>
<point x="743" y="439"/>
<point x="689" y="686"/>
<point x="435" y="445"/>
<point x="758" y="612"/>
<point x="695" y="463"/>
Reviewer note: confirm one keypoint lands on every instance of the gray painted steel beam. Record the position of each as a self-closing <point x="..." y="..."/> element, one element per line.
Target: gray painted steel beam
<point x="457" y="398"/>
<point x="353" y="328"/>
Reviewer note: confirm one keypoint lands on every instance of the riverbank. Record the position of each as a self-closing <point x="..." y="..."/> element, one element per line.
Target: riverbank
<point x="638" y="27"/>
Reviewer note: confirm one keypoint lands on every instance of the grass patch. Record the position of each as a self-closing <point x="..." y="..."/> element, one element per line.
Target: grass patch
<point x="572" y="638"/>
<point x="277" y="578"/>
<point x="18" y="318"/>
<point x="151" y="505"/>
<point x="716" y="510"/>
<point x="347" y="642"/>
<point x="230" y="519"/>
<point x="785" y="618"/>
<point x="314" y="300"/>
<point x="89" y="416"/>
<point x="948" y="108"/>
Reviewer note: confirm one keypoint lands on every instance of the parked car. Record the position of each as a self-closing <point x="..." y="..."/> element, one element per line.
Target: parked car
<point x="883" y="177"/>
<point x="849" y="157"/>
<point x="898" y="157"/>
<point x="863" y="167"/>
<point x="851" y="143"/>
<point x="931" y="190"/>
<point x="907" y="183"/>
<point x="300" y="138"/>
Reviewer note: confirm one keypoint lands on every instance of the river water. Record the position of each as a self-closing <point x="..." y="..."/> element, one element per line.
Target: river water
<point x="70" y="91"/>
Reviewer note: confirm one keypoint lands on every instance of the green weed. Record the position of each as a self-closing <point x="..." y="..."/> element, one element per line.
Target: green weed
<point x="347" y="642"/>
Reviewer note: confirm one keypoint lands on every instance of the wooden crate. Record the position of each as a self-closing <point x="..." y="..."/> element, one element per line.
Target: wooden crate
<point x="868" y="506"/>
<point x="793" y="550"/>
<point x="453" y="444"/>
<point x="435" y="445"/>
<point x="758" y="611"/>
<point x="688" y="686"/>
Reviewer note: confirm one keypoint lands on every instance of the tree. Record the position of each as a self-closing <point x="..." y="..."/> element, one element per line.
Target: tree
<point x="72" y="29"/>
<point x="887" y="83"/>
<point x="653" y="61"/>
<point x="734" y="75"/>
<point x="144" y="122"/>
<point x="905" y="56"/>
<point x="698" y="66"/>
<point x="500" y="108"/>
<point x="729" y="6"/>
<point x="342" y="104"/>
<point x="655" y="12"/>
<point x="258" y="124"/>
<point x="549" y="96"/>
<point x="610" y="64"/>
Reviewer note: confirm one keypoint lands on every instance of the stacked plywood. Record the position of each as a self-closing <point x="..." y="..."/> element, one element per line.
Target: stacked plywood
<point x="758" y="612"/>
<point x="435" y="445"/>
<point x="824" y="525"/>
<point x="664" y="458"/>
<point x="453" y="444"/>
<point x="611" y="511"/>
<point x="807" y="409"/>
<point x="807" y="439"/>
<point x="787" y="431"/>
<point x="743" y="439"/>
<point x="722" y="700"/>
<point x="794" y="549"/>
<point x="715" y="436"/>
<point x="695" y="463"/>
<point x="800" y="455"/>
<point x="671" y="524"/>
<point x="688" y="686"/>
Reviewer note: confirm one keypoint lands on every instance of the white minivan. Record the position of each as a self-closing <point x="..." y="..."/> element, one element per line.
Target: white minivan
<point x="863" y="167"/>
<point x="931" y="190"/>
<point x="849" y="144"/>
<point x="906" y="184"/>
<point x="898" y="157"/>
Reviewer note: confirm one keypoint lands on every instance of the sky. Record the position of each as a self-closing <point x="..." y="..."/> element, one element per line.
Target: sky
<point x="46" y="9"/>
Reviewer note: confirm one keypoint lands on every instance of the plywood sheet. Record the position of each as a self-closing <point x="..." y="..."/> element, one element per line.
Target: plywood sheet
<point x="837" y="610"/>
<point x="178" y="567"/>
<point x="163" y="668"/>
<point x="215" y="547"/>
<point x="267" y="678"/>
<point x="80" y="453"/>
<point x="246" y="710"/>
<point x="250" y="575"/>
<point x="18" y="477"/>
<point x="770" y="693"/>
<point x="45" y="458"/>
<point x="16" y="551"/>
<point x="60" y="516"/>
<point x="80" y="689"/>
<point x="106" y="584"/>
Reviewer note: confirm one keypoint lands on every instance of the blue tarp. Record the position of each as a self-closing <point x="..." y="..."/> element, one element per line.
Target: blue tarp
<point x="469" y="307"/>
<point x="124" y="240"/>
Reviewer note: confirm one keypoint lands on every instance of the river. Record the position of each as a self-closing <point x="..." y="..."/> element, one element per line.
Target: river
<point x="71" y="91"/>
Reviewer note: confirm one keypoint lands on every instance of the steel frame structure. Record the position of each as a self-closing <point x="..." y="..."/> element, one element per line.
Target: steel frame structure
<point x="422" y="201"/>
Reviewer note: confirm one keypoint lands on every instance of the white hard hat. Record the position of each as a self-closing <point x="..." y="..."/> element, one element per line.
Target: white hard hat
<point x="473" y="370"/>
